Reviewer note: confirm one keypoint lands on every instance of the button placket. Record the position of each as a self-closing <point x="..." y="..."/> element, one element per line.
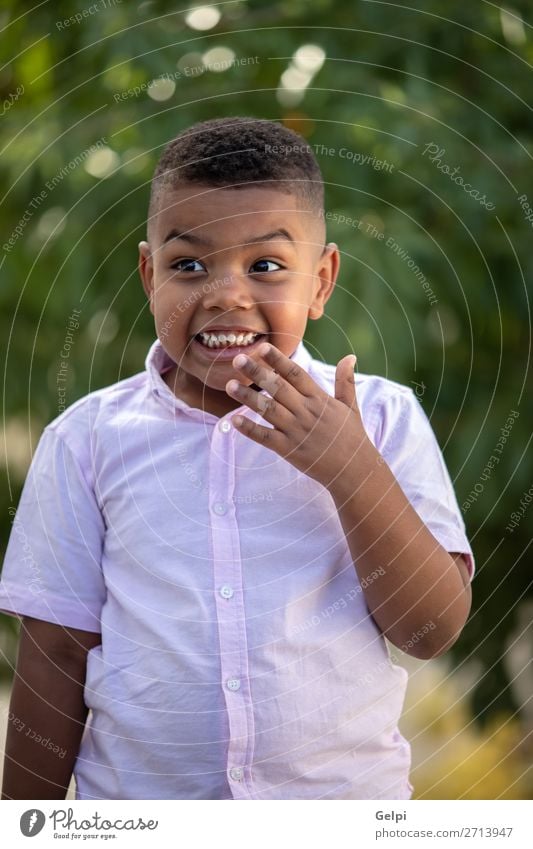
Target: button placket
<point x="229" y="601"/>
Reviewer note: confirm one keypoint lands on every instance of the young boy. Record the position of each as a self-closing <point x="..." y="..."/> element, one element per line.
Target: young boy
<point x="209" y="554"/>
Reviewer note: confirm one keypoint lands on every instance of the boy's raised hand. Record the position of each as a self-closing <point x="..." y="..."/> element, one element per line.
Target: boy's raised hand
<point x="318" y="434"/>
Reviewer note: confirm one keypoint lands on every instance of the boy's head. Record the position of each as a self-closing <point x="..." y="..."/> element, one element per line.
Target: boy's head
<point x="239" y="152"/>
<point x="235" y="246"/>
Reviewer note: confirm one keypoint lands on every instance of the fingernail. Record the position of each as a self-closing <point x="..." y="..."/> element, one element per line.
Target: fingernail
<point x="240" y="360"/>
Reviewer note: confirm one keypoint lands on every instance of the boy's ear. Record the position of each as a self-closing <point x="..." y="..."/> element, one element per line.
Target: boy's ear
<point x="326" y="274"/>
<point x="146" y="272"/>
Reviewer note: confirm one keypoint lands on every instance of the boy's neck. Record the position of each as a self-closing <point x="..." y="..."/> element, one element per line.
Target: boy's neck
<point x="209" y="400"/>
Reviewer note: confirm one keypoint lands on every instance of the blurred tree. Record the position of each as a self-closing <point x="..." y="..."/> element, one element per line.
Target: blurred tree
<point x="400" y="104"/>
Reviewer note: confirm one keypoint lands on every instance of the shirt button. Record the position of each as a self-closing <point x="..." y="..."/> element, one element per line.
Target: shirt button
<point x="220" y="508"/>
<point x="226" y="591"/>
<point x="236" y="773"/>
<point x="225" y="426"/>
<point x="233" y="684"/>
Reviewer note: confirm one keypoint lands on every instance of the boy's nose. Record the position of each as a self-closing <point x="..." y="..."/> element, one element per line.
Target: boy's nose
<point x="227" y="292"/>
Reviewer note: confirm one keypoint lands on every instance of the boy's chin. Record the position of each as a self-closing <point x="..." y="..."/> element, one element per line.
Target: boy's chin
<point x="218" y="384"/>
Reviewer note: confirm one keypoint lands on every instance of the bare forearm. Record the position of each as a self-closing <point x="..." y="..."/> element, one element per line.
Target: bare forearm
<point x="410" y="582"/>
<point x="43" y="739"/>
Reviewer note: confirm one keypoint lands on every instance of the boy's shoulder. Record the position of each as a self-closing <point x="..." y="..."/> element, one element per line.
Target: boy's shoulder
<point x="384" y="404"/>
<point x="82" y="419"/>
<point x="372" y="390"/>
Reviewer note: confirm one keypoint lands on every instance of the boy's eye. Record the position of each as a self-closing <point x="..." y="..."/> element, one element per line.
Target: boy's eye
<point x="261" y="266"/>
<point x="187" y="265"/>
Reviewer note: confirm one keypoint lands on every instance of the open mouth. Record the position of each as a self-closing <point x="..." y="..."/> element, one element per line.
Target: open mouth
<point x="229" y="341"/>
<point x="221" y="347"/>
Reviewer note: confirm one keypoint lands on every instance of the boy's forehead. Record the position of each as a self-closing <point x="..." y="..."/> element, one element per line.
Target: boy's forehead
<point x="219" y="208"/>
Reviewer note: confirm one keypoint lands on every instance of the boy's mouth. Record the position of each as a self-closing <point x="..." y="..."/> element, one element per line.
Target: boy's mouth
<point x="232" y="339"/>
<point x="224" y="345"/>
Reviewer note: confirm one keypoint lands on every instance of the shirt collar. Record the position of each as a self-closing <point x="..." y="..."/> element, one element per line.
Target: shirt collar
<point x="158" y="361"/>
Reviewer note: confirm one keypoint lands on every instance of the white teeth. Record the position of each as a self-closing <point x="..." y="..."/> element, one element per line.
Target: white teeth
<point x="218" y="340"/>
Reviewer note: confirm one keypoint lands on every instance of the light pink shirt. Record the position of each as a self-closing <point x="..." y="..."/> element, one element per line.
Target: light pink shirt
<point x="238" y="656"/>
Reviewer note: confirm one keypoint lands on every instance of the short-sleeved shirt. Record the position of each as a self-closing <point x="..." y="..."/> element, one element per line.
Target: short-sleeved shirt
<point x="239" y="659"/>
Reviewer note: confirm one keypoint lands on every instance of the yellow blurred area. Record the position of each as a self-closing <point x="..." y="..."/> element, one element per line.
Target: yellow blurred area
<point x="452" y="757"/>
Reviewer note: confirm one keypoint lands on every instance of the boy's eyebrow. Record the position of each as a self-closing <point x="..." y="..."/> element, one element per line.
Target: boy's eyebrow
<point x="201" y="240"/>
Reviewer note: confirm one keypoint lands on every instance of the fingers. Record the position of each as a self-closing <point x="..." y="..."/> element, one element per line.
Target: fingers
<point x="345" y="381"/>
<point x="276" y="384"/>
<point x="295" y="376"/>
<point x="269" y="408"/>
<point x="267" y="436"/>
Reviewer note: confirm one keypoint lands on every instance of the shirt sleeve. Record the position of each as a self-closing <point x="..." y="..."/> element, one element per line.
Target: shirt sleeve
<point x="52" y="568"/>
<point x="406" y="441"/>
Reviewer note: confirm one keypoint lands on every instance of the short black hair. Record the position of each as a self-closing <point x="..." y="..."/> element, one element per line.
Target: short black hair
<point x="237" y="151"/>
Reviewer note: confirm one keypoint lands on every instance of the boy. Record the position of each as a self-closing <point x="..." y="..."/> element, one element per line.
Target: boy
<point x="221" y="543"/>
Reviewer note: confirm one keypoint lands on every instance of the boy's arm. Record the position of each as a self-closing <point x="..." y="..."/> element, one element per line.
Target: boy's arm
<point x="421" y="589"/>
<point x="422" y="598"/>
<point x="47" y="713"/>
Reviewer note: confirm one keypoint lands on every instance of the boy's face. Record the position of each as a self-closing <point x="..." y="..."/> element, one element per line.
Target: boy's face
<point x="231" y="261"/>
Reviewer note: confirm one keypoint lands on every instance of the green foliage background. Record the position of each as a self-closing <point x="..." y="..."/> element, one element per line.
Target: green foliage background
<point x="396" y="78"/>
